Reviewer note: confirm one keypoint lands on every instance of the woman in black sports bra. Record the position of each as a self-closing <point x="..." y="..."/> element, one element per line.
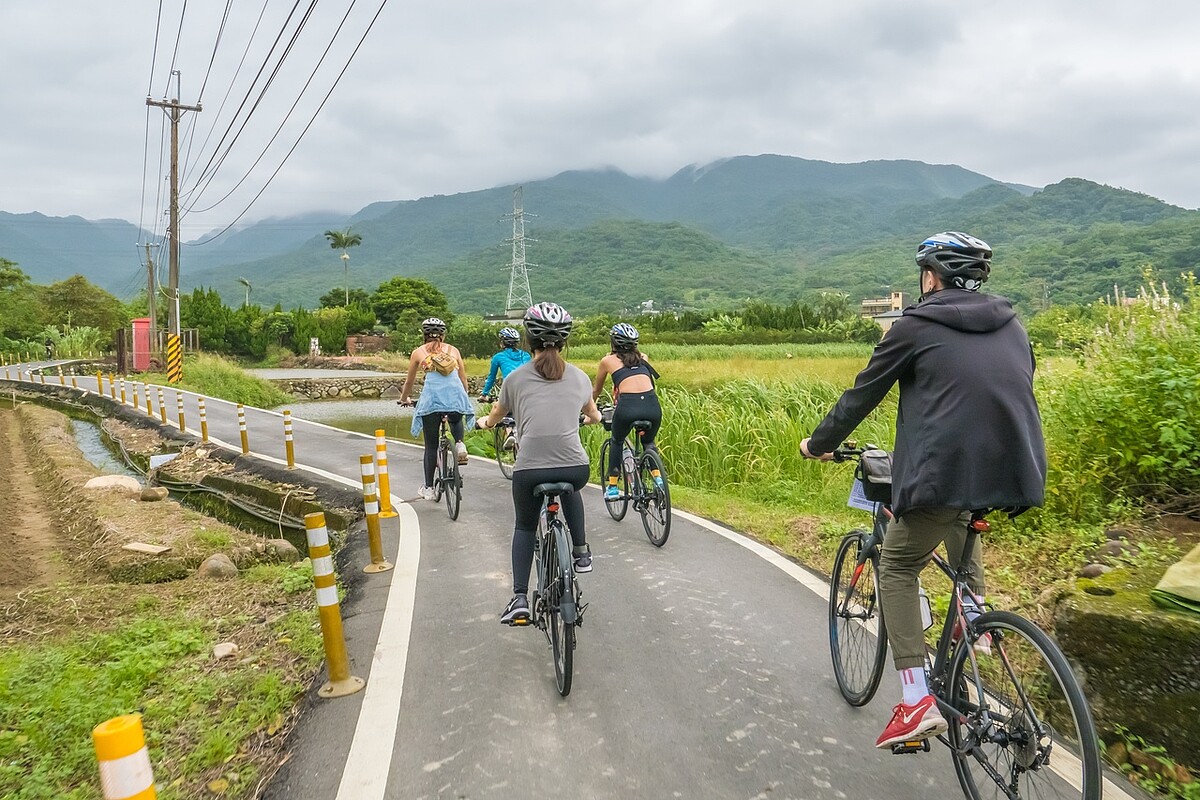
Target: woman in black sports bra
<point x="633" y="392"/>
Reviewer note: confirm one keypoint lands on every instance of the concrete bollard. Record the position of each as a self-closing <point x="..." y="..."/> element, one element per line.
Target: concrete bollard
<point x="203" y="421"/>
<point x="125" y="772"/>
<point x="179" y="407"/>
<point x="112" y="386"/>
<point x="371" y="505"/>
<point x="162" y="405"/>
<point x="242" y="429"/>
<point x="123" y="392"/>
<point x="341" y="682"/>
<point x="289" y="445"/>
<point x="381" y="471"/>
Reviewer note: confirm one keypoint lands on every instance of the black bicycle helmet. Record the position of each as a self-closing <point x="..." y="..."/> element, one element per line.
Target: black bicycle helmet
<point x="960" y="259"/>
<point x="623" y="336"/>
<point x="509" y="337"/>
<point x="548" y="325"/>
<point x="433" y="327"/>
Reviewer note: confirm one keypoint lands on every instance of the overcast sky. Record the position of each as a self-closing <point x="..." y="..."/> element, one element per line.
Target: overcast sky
<point x="460" y="95"/>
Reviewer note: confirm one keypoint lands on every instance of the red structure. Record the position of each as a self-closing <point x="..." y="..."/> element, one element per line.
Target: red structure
<point x="141" y="344"/>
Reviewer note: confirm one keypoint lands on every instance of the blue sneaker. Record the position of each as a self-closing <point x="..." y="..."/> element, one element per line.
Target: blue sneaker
<point x="612" y="493"/>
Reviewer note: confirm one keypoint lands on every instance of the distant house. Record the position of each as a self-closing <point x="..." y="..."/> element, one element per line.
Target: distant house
<point x="884" y="310"/>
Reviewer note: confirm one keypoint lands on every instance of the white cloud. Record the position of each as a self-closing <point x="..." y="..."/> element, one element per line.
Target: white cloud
<point x="464" y="95"/>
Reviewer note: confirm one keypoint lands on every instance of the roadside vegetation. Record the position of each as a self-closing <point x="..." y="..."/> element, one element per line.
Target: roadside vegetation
<point x="214" y="376"/>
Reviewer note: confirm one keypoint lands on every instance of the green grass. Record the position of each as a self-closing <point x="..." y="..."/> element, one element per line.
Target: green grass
<point x="213" y="376"/>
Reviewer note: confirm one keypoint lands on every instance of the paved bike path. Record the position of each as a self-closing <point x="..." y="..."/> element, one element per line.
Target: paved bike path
<point x="702" y="668"/>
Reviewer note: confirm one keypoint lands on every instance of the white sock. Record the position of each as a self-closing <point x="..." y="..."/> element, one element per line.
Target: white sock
<point x="912" y="682"/>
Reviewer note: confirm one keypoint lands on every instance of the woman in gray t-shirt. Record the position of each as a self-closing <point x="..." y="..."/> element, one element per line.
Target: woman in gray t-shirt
<point x="546" y="397"/>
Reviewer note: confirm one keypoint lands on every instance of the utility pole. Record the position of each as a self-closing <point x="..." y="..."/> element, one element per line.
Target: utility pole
<point x="175" y="111"/>
<point x="151" y="290"/>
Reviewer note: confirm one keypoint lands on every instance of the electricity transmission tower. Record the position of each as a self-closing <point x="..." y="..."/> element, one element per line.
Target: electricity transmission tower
<point x="519" y="296"/>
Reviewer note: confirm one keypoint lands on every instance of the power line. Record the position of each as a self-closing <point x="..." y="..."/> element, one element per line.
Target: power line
<point x="287" y="116"/>
<point x="374" y="19"/>
<point x="175" y="53"/>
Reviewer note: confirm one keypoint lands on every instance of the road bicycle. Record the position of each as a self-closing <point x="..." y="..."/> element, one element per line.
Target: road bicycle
<point x="1020" y="726"/>
<point x="642" y="481"/>
<point x="556" y="606"/>
<point x="447" y="477"/>
<point x="504" y="440"/>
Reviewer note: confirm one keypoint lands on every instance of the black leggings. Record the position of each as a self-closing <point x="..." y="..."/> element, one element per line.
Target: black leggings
<point x="527" y="507"/>
<point x="630" y="408"/>
<point x="429" y="428"/>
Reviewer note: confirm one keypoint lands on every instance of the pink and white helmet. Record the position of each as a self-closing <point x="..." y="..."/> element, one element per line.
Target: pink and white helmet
<point x="547" y="324"/>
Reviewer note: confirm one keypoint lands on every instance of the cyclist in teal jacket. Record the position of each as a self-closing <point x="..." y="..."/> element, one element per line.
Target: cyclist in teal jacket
<point x="509" y="358"/>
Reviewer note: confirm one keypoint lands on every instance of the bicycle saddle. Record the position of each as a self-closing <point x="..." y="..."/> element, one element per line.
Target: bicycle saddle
<point x="553" y="489"/>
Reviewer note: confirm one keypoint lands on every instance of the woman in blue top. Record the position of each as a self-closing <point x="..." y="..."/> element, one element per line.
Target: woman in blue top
<point x="444" y="394"/>
<point x="509" y="358"/>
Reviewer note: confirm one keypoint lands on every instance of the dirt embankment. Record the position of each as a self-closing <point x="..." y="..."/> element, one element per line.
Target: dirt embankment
<point x="32" y="543"/>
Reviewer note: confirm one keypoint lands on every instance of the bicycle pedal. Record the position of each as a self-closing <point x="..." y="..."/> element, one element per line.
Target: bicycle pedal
<point x="517" y="623"/>
<point x="914" y="746"/>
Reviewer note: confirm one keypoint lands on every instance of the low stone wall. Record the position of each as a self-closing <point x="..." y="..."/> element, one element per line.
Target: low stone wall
<point x="347" y="387"/>
<point x="351" y="387"/>
<point x="1140" y="663"/>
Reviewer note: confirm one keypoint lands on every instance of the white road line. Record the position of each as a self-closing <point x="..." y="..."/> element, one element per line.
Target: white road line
<point x="365" y="774"/>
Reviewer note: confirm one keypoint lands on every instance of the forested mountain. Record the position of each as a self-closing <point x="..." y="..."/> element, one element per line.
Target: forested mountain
<point x="770" y="227"/>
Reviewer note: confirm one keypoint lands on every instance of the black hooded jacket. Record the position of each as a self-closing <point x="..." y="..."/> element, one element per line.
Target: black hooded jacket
<point x="968" y="431"/>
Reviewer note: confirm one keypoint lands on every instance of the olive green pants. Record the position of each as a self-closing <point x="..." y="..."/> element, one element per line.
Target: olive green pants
<point x="907" y="548"/>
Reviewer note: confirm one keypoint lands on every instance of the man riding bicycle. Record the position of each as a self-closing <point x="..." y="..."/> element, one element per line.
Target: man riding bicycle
<point x="968" y="436"/>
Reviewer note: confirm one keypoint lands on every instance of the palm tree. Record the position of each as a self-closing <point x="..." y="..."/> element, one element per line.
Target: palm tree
<point x="246" y="283"/>
<point x="343" y="240"/>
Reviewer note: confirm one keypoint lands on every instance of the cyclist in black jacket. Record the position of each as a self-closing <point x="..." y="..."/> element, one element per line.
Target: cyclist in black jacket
<point x="968" y="436"/>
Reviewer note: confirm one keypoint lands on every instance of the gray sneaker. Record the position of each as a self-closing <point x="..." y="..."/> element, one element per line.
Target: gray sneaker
<point x="516" y="612"/>
<point x="583" y="562"/>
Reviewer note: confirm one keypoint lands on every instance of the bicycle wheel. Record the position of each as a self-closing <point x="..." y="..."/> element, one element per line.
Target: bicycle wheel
<point x="561" y="605"/>
<point x="616" y="508"/>
<point x="857" y="634"/>
<point x="453" y="482"/>
<point x="506" y="457"/>
<point x="1032" y="734"/>
<point x="439" y="471"/>
<point x="654" y="501"/>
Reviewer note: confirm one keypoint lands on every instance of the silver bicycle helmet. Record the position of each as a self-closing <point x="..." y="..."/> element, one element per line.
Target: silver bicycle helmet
<point x="509" y="337"/>
<point x="960" y="259"/>
<point x="433" y="327"/>
<point x="623" y="337"/>
<point x="548" y="325"/>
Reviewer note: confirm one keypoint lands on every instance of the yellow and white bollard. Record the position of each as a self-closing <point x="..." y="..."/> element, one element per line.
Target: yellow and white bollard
<point x="74" y="381"/>
<point x="112" y="386"/>
<point x="203" y="421"/>
<point x="381" y="472"/>
<point x="179" y="408"/>
<point x="289" y="445"/>
<point x="371" y="505"/>
<point x="341" y="682"/>
<point x="242" y="429"/>
<point x="99" y="382"/>
<point x="61" y="380"/>
<point x="43" y="376"/>
<point x="137" y="401"/>
<point x="149" y="408"/>
<point x="123" y="392"/>
<point x="125" y="772"/>
<point x="162" y="405"/>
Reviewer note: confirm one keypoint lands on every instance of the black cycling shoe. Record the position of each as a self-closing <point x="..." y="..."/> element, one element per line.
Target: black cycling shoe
<point x="516" y="612"/>
<point x="583" y="562"/>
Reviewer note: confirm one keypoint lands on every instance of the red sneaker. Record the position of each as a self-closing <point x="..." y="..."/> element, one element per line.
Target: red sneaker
<point x="911" y="723"/>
